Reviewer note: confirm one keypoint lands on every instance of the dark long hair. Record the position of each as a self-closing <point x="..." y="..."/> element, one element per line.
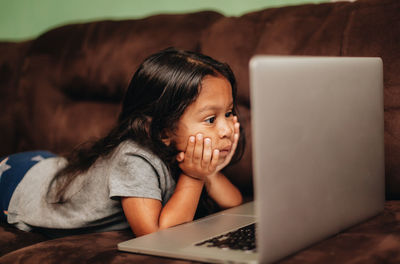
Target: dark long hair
<point x="160" y="90"/>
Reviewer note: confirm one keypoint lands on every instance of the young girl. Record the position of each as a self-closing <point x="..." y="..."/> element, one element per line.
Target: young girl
<point x="177" y="130"/>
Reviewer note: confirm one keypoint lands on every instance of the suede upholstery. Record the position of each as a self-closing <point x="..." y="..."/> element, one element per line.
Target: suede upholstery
<point x="65" y="87"/>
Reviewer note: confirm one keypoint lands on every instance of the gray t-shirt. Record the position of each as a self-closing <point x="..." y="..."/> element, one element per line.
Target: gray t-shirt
<point x="93" y="199"/>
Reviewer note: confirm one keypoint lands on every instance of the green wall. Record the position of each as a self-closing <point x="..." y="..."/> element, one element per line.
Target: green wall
<point x="24" y="19"/>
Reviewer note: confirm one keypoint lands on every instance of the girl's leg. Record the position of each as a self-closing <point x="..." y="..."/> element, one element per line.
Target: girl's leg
<point x="12" y="170"/>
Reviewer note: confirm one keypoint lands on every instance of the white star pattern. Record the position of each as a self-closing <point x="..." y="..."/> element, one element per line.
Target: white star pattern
<point x="4" y="166"/>
<point x="37" y="158"/>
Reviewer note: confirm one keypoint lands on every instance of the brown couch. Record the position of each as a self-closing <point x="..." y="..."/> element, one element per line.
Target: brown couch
<point x="65" y="87"/>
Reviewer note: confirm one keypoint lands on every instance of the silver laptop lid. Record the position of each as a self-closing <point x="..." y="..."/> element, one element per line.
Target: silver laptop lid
<point x="318" y="153"/>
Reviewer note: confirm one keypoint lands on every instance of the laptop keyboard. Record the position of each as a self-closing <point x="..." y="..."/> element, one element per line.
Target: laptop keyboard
<point x="240" y="239"/>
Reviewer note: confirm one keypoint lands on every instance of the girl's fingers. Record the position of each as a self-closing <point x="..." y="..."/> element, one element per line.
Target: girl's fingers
<point x="214" y="161"/>
<point x="236" y="136"/>
<point x="190" y="148"/>
<point x="233" y="149"/>
<point x="236" y="126"/>
<point x="207" y="153"/>
<point x="200" y="158"/>
<point x="235" y="140"/>
<point x="198" y="150"/>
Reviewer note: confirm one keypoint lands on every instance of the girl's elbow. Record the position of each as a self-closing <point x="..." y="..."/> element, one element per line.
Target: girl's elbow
<point x="144" y="231"/>
<point x="151" y="229"/>
<point x="233" y="202"/>
<point x="167" y="222"/>
<point x="163" y="225"/>
<point x="237" y="201"/>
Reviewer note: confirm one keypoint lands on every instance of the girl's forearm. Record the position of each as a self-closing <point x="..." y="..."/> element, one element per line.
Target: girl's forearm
<point x="147" y="215"/>
<point x="222" y="191"/>
<point x="182" y="205"/>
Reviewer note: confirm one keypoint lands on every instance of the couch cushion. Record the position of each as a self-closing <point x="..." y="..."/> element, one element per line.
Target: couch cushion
<point x="88" y="248"/>
<point x="12" y="238"/>
<point x="374" y="241"/>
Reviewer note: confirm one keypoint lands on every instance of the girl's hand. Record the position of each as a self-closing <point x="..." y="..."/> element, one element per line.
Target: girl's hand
<point x="199" y="160"/>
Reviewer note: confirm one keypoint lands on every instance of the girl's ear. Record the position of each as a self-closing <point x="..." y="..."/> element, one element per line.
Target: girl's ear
<point x="166" y="137"/>
<point x="166" y="141"/>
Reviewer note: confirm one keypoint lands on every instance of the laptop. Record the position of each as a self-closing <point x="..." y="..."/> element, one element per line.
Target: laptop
<point x="318" y="163"/>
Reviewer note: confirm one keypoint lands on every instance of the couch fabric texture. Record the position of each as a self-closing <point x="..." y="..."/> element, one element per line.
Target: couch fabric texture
<point x="65" y="87"/>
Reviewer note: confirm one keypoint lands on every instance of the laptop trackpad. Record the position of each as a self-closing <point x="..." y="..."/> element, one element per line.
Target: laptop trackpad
<point x="216" y="225"/>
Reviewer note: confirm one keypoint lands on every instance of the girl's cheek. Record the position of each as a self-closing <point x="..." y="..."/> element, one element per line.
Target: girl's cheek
<point x="181" y="145"/>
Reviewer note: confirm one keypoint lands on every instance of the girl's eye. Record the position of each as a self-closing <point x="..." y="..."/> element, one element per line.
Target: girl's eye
<point x="210" y="120"/>
<point x="229" y="114"/>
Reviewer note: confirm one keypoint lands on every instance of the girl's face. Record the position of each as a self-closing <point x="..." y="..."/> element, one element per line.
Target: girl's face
<point x="210" y="115"/>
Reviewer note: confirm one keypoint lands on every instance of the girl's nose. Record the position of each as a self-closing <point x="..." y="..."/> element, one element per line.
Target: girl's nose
<point x="225" y="128"/>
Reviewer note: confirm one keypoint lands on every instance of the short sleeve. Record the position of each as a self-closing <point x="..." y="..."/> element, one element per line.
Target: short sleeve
<point x="134" y="176"/>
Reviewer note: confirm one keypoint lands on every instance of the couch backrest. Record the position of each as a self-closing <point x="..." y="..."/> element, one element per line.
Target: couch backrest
<point x="362" y="28"/>
<point x="75" y="76"/>
<point x="72" y="78"/>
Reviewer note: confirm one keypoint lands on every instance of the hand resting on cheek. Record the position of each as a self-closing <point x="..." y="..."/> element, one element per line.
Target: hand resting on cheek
<point x="199" y="159"/>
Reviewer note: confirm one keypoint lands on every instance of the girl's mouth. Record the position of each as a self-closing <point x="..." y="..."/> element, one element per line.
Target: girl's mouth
<point x="224" y="151"/>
